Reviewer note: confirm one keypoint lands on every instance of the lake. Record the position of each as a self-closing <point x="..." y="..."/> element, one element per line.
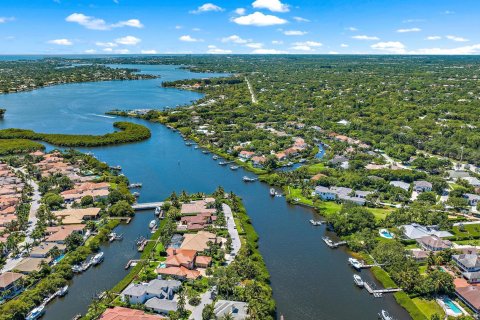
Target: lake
<point x="309" y="280"/>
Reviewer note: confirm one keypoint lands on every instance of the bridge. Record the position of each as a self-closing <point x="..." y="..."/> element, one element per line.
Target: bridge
<point x="147" y="205"/>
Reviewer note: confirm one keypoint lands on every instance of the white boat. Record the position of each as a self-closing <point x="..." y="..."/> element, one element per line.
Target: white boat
<point x="358" y="280"/>
<point x="272" y="192"/>
<point x="134" y="185"/>
<point x="233" y="167"/>
<point x="355" y="263"/>
<point x="248" y="179"/>
<point x="384" y="315"/>
<point x="152" y="224"/>
<point x="158" y="210"/>
<point x="62" y="292"/>
<point x="329" y="242"/>
<point x="315" y="223"/>
<point x="36" y="313"/>
<point x="136" y="194"/>
<point x="77" y="268"/>
<point x="215" y="157"/>
<point x="97" y="259"/>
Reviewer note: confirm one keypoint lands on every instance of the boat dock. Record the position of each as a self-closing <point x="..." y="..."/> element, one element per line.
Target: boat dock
<point x="332" y="244"/>
<point x="377" y="293"/>
<point x="146" y="205"/>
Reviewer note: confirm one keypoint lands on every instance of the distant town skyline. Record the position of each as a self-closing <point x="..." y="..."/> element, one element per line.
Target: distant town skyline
<point x="239" y="27"/>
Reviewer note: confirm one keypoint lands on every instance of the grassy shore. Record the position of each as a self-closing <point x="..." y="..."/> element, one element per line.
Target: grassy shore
<point x="129" y="132"/>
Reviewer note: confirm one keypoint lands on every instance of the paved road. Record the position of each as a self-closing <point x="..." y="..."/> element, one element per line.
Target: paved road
<point x="32" y="218"/>
<point x="236" y="244"/>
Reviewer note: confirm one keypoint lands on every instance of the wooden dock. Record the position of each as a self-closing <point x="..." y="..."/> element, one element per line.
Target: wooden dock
<point x="379" y="292"/>
<point x="147" y="205"/>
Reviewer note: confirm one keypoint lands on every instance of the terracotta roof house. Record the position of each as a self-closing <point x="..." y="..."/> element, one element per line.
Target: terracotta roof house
<point x="120" y="313"/>
<point x="29" y="265"/>
<point x="245" y="155"/>
<point x="470" y="295"/>
<point x="203" y="261"/>
<point x="58" y="234"/>
<point x="198" y="241"/>
<point x="433" y="243"/>
<point x="419" y="255"/>
<point x="10" y="281"/>
<point x="77" y="216"/>
<point x="180" y="257"/>
<point x="42" y="250"/>
<point x="259" y="161"/>
<point x="181" y="273"/>
<point x="196" y="207"/>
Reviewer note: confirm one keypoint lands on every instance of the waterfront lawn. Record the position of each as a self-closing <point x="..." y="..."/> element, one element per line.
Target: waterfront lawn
<point x="293" y="193"/>
<point x="380" y="213"/>
<point x="429" y="307"/>
<point x="327" y="208"/>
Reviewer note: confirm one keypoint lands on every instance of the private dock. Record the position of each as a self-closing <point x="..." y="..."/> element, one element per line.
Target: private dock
<point x="331" y="244"/>
<point x="146" y="206"/>
<point x="377" y="293"/>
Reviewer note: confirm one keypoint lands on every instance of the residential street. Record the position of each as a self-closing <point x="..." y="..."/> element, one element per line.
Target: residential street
<point x="236" y="244"/>
<point x="34" y="205"/>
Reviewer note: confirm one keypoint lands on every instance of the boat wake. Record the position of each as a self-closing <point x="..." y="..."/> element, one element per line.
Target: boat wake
<point x="102" y="116"/>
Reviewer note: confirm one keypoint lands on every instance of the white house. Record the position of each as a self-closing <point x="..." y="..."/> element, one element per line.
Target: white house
<point x="141" y="292"/>
<point x="325" y="193"/>
<point x="422" y="186"/>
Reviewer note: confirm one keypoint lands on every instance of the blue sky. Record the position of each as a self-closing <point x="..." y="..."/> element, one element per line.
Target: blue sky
<point x="240" y="26"/>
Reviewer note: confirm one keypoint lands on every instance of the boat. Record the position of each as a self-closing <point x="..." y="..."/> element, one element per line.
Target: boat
<point x="112" y="237"/>
<point x="136" y="194"/>
<point x="158" y="210"/>
<point x="384" y="315"/>
<point x="215" y="157"/>
<point x="36" y="313"/>
<point x="196" y="147"/>
<point x="152" y="224"/>
<point x="315" y="222"/>
<point x="188" y="143"/>
<point x="118" y="168"/>
<point x="77" y="316"/>
<point x="273" y="192"/>
<point x="329" y="242"/>
<point x="248" y="179"/>
<point x="355" y="263"/>
<point x="205" y="152"/>
<point x="358" y="280"/>
<point x="97" y="259"/>
<point x="134" y="185"/>
<point x="233" y="167"/>
<point x="223" y="163"/>
<point x="85" y="266"/>
<point x="77" y="268"/>
<point x="62" y="292"/>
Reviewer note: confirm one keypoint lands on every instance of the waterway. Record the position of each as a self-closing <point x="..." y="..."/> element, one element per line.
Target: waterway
<point x="309" y="280"/>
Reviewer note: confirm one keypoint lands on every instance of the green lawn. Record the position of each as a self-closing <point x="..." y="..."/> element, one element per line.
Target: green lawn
<point x="315" y="168"/>
<point x="468" y="230"/>
<point x="293" y="193"/>
<point x="429" y="307"/>
<point x="380" y="213"/>
<point x="328" y="207"/>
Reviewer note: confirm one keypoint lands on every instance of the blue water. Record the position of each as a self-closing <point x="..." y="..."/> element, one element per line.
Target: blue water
<point x="309" y="280"/>
<point x="321" y="151"/>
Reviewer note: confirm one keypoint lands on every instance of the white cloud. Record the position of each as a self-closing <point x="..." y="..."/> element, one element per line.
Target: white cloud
<point x="302" y="48"/>
<point x="457" y="39"/>
<point x="122" y="51"/>
<point x="259" y="19"/>
<point x="352" y="29"/>
<point x="240" y="11"/>
<point x="300" y="19"/>
<point x="148" y="52"/>
<point x="268" y="51"/>
<point x="61" y="42"/>
<point x="473" y="49"/>
<point x="254" y="45"/>
<point x="128" y="40"/>
<point x="365" y="37"/>
<point x="344" y="45"/>
<point x="187" y="38"/>
<point x="309" y="44"/>
<point x="6" y="19"/>
<point x="409" y="30"/>
<point x="272" y="5"/>
<point x="389" y="47"/>
<point x="108" y="49"/>
<point x="277" y="42"/>
<point x="207" y="7"/>
<point x="433" y="38"/>
<point x="90" y="51"/>
<point x="106" y="44"/>
<point x="214" y="50"/>
<point x="294" y="33"/>
<point x="93" y="23"/>
<point x="235" y="39"/>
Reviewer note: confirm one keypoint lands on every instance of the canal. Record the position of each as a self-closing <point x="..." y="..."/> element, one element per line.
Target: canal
<point x="309" y="280"/>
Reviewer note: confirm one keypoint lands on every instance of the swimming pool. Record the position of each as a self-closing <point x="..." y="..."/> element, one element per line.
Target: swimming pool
<point x="385" y="233"/>
<point x="452" y="305"/>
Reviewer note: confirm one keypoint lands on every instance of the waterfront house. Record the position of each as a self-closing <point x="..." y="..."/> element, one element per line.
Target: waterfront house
<point x="137" y="293"/>
<point x="342" y="194"/>
<point x="58" y="234"/>
<point x="400" y="184"/>
<point x="280" y="156"/>
<point x="433" y="243"/>
<point x="77" y="216"/>
<point x="422" y="186"/>
<point x="10" y="284"/>
<point x="180" y="273"/>
<point x="180" y="257"/>
<point x="470" y="295"/>
<point x="29" y="265"/>
<point x="161" y="306"/>
<point x="415" y="231"/>
<point x="121" y="313"/>
<point x="197" y="207"/>
<point x="245" y="155"/>
<point x="236" y="309"/>
<point x="325" y="193"/>
<point x="42" y="250"/>
<point x="259" y="161"/>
